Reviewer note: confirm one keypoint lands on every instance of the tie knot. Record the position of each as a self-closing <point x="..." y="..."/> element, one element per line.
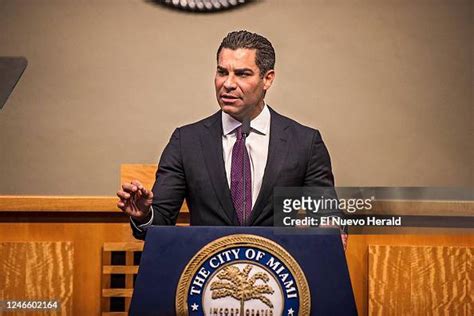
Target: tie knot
<point x="238" y="132"/>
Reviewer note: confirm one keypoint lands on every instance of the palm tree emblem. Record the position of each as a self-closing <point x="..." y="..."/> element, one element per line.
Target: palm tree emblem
<point x="237" y="284"/>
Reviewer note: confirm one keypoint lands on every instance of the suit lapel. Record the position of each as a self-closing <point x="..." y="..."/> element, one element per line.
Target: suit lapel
<point x="211" y="142"/>
<point x="277" y="152"/>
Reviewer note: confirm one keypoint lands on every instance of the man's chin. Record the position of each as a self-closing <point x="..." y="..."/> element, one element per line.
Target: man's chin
<point x="231" y="110"/>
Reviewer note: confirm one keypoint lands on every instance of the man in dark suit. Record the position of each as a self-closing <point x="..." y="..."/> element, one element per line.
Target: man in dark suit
<point x="227" y="175"/>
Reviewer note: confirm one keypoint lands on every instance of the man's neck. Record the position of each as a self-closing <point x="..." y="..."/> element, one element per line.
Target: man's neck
<point x="258" y="110"/>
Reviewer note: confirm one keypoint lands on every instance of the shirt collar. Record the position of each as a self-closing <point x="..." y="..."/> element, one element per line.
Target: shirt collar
<point x="260" y="124"/>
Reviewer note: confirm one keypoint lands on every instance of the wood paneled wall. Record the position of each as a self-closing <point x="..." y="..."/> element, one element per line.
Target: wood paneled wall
<point x="36" y="272"/>
<point x="413" y="280"/>
<point x="84" y="223"/>
<point x="357" y="255"/>
<point x="87" y="240"/>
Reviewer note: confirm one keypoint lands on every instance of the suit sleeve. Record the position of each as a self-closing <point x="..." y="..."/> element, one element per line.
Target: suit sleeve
<point x="318" y="171"/>
<point x="170" y="186"/>
<point x="319" y="174"/>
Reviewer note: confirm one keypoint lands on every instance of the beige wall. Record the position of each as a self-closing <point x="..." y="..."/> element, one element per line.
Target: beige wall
<point x="388" y="83"/>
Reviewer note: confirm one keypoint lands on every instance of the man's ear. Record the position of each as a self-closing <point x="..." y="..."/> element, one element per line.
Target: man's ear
<point x="268" y="79"/>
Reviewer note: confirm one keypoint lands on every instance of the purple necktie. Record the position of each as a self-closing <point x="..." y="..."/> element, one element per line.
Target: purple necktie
<point x="241" y="163"/>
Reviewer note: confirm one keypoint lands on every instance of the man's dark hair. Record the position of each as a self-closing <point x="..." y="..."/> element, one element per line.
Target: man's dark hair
<point x="265" y="54"/>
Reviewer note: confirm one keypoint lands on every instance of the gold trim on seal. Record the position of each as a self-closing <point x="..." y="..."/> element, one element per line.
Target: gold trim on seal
<point x="242" y="240"/>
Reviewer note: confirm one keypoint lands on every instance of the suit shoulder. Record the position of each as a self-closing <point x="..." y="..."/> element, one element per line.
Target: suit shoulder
<point x="297" y="127"/>
<point x="192" y="127"/>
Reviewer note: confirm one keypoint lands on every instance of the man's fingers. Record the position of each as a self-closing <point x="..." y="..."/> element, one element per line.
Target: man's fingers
<point x="137" y="184"/>
<point x="129" y="187"/>
<point x="121" y="205"/>
<point x="147" y="194"/>
<point x="123" y="195"/>
<point x="133" y="198"/>
<point x="134" y="186"/>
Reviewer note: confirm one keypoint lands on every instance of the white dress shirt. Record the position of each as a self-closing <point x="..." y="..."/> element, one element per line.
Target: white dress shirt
<point x="257" y="146"/>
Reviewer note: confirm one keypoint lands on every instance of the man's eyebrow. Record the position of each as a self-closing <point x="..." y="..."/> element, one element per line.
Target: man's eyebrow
<point x="238" y="70"/>
<point x="243" y="70"/>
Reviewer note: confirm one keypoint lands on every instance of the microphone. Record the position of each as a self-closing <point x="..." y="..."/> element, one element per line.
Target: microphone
<point x="245" y="127"/>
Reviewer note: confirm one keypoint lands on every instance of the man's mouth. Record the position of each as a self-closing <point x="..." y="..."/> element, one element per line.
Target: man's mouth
<point x="228" y="98"/>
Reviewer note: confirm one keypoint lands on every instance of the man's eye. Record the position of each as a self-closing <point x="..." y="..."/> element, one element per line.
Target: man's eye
<point x="221" y="73"/>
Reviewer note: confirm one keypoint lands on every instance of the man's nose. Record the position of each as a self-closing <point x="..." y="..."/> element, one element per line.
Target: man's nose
<point x="230" y="83"/>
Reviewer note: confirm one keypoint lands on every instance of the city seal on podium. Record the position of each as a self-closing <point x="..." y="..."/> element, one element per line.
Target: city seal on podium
<point x="242" y="275"/>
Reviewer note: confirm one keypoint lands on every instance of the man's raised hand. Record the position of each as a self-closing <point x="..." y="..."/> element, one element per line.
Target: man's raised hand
<point x="135" y="200"/>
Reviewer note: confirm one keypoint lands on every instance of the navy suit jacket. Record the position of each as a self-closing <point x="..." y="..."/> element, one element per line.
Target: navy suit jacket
<point x="192" y="168"/>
